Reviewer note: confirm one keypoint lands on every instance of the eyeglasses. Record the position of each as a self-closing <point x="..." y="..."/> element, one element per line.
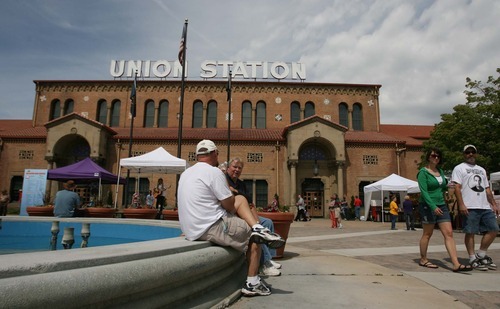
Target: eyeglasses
<point x="469" y="152"/>
<point x="435" y="156"/>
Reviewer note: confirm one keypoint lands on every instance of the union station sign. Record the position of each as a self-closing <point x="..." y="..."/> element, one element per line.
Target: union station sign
<point x="210" y="69"/>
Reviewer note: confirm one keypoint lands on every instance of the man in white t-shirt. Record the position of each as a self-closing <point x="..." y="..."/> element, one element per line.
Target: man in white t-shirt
<point x="208" y="210"/>
<point x="477" y="205"/>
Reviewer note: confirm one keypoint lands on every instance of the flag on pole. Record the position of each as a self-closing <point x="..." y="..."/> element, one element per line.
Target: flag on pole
<point x="133" y="97"/>
<point x="182" y="47"/>
<point x="228" y="88"/>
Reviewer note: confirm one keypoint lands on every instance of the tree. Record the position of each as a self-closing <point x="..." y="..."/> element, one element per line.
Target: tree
<point x="477" y="122"/>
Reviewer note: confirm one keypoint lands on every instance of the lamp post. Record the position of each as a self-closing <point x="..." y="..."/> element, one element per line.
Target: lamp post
<point x="228" y="89"/>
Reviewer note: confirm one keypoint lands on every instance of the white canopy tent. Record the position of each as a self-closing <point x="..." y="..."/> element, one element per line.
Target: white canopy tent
<point x="495" y="177"/>
<point x="157" y="161"/>
<point x="495" y="181"/>
<point x="393" y="183"/>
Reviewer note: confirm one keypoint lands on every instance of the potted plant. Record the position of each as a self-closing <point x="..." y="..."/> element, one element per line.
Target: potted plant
<point x="140" y="213"/>
<point x="97" y="209"/>
<point x="282" y="219"/>
<point x="170" y="214"/>
<point x="45" y="210"/>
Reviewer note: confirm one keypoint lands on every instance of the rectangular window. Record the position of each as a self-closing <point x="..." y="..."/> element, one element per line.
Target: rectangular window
<point x="254" y="157"/>
<point x="192" y="156"/>
<point x="370" y="160"/>
<point x="261" y="199"/>
<point x="26" y="154"/>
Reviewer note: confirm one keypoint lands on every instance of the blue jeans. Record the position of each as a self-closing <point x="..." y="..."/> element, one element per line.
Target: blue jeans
<point x="356" y="211"/>
<point x="393" y="221"/>
<point x="267" y="254"/>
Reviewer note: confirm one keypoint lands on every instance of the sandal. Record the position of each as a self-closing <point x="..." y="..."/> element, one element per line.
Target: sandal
<point x="462" y="268"/>
<point x="428" y="264"/>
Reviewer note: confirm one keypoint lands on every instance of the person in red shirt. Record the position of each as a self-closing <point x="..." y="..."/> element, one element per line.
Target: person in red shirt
<point x="357" y="206"/>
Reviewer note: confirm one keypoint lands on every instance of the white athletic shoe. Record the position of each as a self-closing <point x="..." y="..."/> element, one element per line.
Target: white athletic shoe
<point x="275" y="264"/>
<point x="268" y="270"/>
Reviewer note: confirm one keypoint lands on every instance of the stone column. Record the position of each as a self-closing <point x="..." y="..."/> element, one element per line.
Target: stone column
<point x="293" y="180"/>
<point x="340" y="178"/>
<point x="349" y="117"/>
<point x="157" y="117"/>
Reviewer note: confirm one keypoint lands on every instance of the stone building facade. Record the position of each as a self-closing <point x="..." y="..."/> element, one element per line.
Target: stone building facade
<point x="317" y="139"/>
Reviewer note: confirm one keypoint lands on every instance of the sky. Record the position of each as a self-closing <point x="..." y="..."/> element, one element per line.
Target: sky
<point x="419" y="51"/>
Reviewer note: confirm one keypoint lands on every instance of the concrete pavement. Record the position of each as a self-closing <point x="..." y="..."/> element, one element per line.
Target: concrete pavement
<point x="366" y="265"/>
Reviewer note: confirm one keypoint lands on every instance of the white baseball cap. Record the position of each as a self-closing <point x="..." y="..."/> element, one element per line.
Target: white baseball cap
<point x="205" y="146"/>
<point x="470" y="146"/>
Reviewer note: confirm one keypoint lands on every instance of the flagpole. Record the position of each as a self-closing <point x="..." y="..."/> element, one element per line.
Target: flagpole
<point x="182" y="60"/>
<point x="133" y="96"/>
<point x="228" y="89"/>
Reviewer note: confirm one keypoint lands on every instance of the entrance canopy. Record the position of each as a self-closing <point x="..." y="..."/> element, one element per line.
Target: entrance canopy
<point x="393" y="183"/>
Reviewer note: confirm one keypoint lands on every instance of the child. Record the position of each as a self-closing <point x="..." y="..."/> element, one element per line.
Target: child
<point x="150" y="199"/>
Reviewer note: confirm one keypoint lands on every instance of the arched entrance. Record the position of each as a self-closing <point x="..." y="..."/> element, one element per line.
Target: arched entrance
<point x="70" y="149"/>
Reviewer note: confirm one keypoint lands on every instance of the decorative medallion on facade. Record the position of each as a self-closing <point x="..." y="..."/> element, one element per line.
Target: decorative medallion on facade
<point x="86" y="98"/>
<point x="326" y="101"/>
<point x="278" y="100"/>
<point x="370" y="103"/>
<point x="327" y="117"/>
<point x="278" y="117"/>
<point x="43" y="98"/>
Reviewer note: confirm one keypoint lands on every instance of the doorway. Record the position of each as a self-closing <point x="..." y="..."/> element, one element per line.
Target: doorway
<point x="313" y="189"/>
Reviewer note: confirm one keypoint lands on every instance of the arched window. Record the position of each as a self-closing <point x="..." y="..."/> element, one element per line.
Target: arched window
<point x="357" y="117"/>
<point x="163" y="114"/>
<point x="55" y="109"/>
<point x="69" y="105"/>
<point x="197" y="114"/>
<point x="294" y="112"/>
<point x="309" y="110"/>
<point x="149" y="114"/>
<point x="212" y="114"/>
<point x="260" y="121"/>
<point x="246" y="115"/>
<point x="343" y="114"/>
<point x="115" y="113"/>
<point x="102" y="111"/>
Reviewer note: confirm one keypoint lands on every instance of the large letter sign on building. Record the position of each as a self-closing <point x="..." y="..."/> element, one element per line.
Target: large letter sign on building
<point x="210" y="69"/>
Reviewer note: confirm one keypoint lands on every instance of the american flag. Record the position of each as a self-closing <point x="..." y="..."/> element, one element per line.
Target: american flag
<point x="182" y="47"/>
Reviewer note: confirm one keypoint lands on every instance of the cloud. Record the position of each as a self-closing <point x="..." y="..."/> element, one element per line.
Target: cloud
<point x="419" y="51"/>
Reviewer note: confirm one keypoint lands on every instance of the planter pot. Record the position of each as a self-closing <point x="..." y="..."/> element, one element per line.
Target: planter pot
<point x="140" y="213"/>
<point x="99" y="212"/>
<point x="40" y="211"/>
<point x="170" y="214"/>
<point x="282" y="221"/>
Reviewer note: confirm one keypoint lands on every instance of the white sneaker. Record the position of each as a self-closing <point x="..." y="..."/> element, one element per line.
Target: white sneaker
<point x="275" y="264"/>
<point x="265" y="236"/>
<point x="269" y="270"/>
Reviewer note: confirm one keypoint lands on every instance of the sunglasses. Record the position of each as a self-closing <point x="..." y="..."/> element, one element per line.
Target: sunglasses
<point x="469" y="152"/>
<point x="434" y="156"/>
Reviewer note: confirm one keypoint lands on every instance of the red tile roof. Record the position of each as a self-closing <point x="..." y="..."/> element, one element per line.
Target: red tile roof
<point x="198" y="134"/>
<point x="370" y="137"/>
<point x="413" y="135"/>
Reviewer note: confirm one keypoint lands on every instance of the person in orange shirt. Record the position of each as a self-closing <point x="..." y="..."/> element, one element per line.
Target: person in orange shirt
<point x="357" y="207"/>
<point x="393" y="210"/>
